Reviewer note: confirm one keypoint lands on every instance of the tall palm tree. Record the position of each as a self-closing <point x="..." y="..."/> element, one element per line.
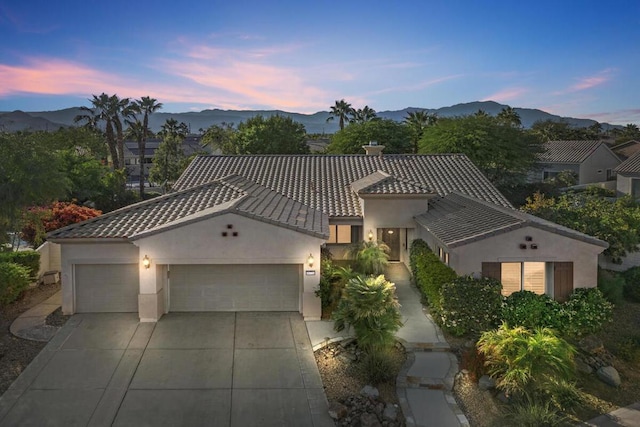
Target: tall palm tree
<point x="342" y="110"/>
<point x="140" y="130"/>
<point x="120" y="109"/>
<point x="171" y="127"/>
<point x="362" y="115"/>
<point x="509" y="116"/>
<point x="137" y="132"/>
<point x="101" y="112"/>
<point x="418" y="121"/>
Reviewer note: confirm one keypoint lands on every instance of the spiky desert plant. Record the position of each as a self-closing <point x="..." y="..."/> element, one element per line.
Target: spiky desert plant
<point x="370" y="306"/>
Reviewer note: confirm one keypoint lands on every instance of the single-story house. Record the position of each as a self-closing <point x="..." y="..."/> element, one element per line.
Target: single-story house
<point x="245" y="233"/>
<point x="626" y="149"/>
<point x="591" y="161"/>
<point x="628" y="176"/>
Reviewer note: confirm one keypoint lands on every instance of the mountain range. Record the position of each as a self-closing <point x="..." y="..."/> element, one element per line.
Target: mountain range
<point x="313" y="123"/>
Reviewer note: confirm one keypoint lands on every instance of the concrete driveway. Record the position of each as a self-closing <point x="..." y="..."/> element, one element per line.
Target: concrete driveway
<point x="222" y="369"/>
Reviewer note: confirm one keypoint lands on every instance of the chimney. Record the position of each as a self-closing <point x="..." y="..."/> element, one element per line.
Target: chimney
<point x="373" y="148"/>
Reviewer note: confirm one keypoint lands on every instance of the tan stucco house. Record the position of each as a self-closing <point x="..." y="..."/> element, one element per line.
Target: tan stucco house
<point x="591" y="161"/>
<point x="245" y="233"/>
<point x="628" y="177"/>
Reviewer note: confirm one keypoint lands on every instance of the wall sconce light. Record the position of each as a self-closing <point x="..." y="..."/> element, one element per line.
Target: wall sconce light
<point x="370" y="235"/>
<point x="310" y="260"/>
<point x="146" y="262"/>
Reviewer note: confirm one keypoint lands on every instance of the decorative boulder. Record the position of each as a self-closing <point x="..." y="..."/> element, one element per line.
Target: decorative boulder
<point x="369" y="420"/>
<point x="609" y="375"/>
<point x="370" y="392"/>
<point x="583" y="367"/>
<point x="486" y="382"/>
<point x="390" y="412"/>
<point x="337" y="411"/>
<point x="591" y="344"/>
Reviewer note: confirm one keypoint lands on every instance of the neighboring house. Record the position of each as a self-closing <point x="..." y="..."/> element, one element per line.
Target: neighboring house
<point x="190" y="146"/>
<point x="591" y="161"/>
<point x="626" y="149"/>
<point x="245" y="233"/>
<point x="628" y="177"/>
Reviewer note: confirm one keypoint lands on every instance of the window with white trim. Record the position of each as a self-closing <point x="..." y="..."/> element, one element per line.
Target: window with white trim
<point x="519" y="276"/>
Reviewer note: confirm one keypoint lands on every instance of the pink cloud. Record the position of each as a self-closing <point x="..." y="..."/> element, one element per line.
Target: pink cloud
<point x="585" y="83"/>
<point x="621" y="117"/>
<point x="507" y="94"/>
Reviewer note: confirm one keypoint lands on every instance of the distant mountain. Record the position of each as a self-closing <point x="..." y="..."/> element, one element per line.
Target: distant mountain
<point x="20" y="121"/>
<point x="314" y="123"/>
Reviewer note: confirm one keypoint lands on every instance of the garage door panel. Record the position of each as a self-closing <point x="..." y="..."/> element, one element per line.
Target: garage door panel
<point x="234" y="287"/>
<point x="106" y="288"/>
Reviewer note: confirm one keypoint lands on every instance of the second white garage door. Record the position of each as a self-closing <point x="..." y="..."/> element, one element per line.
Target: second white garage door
<point x="264" y="287"/>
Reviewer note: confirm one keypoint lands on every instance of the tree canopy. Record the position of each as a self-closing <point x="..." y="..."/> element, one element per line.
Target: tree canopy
<point x="617" y="223"/>
<point x="393" y="135"/>
<point x="504" y="153"/>
<point x="274" y="135"/>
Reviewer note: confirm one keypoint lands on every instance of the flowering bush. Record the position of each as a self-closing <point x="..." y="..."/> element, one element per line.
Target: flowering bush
<point x="39" y="220"/>
<point x="471" y="306"/>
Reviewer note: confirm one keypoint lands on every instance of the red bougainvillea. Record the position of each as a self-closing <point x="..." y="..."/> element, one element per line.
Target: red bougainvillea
<point x="39" y="220"/>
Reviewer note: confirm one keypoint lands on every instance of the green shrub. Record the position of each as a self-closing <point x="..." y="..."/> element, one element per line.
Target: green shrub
<point x="370" y="306"/>
<point x="611" y="285"/>
<point x="632" y="284"/>
<point x="586" y="312"/>
<point x="377" y="366"/>
<point x="524" y="361"/>
<point x="28" y="259"/>
<point x="471" y="306"/>
<point x="530" y="310"/>
<point x="531" y="413"/>
<point x="628" y="348"/>
<point x="14" y="279"/>
<point x="369" y="257"/>
<point x="430" y="274"/>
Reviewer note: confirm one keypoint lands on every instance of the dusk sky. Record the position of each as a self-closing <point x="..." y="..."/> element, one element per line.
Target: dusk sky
<point x="568" y="57"/>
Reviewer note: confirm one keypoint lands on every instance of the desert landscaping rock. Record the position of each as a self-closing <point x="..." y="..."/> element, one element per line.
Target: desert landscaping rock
<point x="591" y="344"/>
<point x="486" y="383"/>
<point x="390" y="412"/>
<point x="370" y="391"/>
<point x="609" y="375"/>
<point x="337" y="411"/>
<point x="369" y="420"/>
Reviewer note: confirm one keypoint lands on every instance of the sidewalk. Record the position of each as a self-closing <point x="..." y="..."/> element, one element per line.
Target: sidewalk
<point x="31" y="324"/>
<point x="424" y="384"/>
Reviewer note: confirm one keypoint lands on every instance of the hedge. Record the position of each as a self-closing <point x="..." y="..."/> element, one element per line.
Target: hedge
<point x="28" y="259"/>
<point x="14" y="279"/>
<point x="429" y="274"/>
<point x="471" y="306"/>
<point x="632" y="284"/>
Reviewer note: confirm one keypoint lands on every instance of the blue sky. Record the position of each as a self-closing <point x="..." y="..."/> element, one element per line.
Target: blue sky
<point x="572" y="58"/>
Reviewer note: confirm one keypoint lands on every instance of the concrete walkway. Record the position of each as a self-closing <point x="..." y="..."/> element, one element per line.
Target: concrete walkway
<point x="31" y="324"/>
<point x="425" y="382"/>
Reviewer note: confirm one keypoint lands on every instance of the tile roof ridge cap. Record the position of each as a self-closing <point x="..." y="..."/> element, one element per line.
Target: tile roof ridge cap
<point x="507" y="210"/>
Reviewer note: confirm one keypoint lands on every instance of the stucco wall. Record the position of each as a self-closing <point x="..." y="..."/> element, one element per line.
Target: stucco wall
<point x="91" y="253"/>
<point x="394" y="212"/>
<point x="600" y="160"/>
<point x="624" y="183"/>
<point x="551" y="248"/>
<point x="257" y="243"/>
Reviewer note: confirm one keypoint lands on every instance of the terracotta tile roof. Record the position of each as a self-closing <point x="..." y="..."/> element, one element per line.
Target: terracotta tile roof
<point x="629" y="166"/>
<point x="626" y="149"/>
<point x="228" y="194"/>
<point x="324" y="182"/>
<point x="457" y="220"/>
<point x="567" y="151"/>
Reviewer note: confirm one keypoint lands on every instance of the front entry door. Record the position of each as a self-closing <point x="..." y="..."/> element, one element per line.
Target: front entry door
<point x="391" y="237"/>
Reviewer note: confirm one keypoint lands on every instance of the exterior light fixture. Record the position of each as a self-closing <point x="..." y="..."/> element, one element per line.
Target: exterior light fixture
<point x="370" y="235"/>
<point x="146" y="261"/>
<point x="310" y="260"/>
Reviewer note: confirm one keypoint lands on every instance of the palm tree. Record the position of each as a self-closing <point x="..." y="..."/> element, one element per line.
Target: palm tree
<point x="509" y="116"/>
<point x="140" y="131"/>
<point x="369" y="257"/>
<point x="101" y="111"/>
<point x="363" y="115"/>
<point x="418" y="121"/>
<point x="120" y="109"/>
<point x="342" y="110"/>
<point x="172" y="128"/>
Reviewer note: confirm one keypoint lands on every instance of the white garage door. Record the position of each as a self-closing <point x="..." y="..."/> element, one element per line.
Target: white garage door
<point x="106" y="288"/>
<point x="264" y="287"/>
